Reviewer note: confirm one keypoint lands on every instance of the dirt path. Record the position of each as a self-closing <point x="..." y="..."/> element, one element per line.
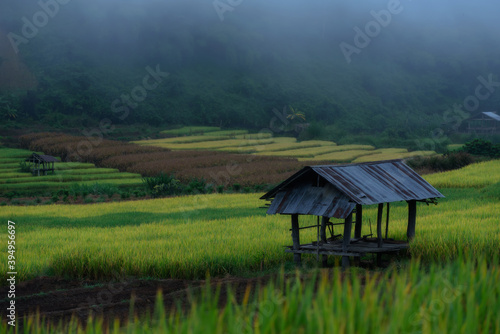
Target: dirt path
<point x="59" y="299"/>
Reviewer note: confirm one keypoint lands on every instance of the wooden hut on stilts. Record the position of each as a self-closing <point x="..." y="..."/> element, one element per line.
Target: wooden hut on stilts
<point x="41" y="164"/>
<point x="341" y="191"/>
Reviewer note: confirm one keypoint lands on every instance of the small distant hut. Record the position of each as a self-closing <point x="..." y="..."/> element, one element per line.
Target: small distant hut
<point x="341" y="191"/>
<point x="41" y="164"/>
<point x="487" y="122"/>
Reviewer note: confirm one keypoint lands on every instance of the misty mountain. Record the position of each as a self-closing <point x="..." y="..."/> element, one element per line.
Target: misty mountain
<point x="361" y="67"/>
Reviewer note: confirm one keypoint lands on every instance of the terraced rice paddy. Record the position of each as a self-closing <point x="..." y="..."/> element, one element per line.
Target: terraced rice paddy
<point x="222" y="169"/>
<point x="66" y="174"/>
<point x="239" y="141"/>
<point x="191" y="130"/>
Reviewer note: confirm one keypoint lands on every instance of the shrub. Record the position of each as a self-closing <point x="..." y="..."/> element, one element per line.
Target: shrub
<point x="161" y="185"/>
<point x="10" y="195"/>
<point x="258" y="187"/>
<point x="196" y="186"/>
<point x="24" y="167"/>
<point x="94" y="189"/>
<point x="125" y="195"/>
<point x="441" y="163"/>
<point x="482" y="147"/>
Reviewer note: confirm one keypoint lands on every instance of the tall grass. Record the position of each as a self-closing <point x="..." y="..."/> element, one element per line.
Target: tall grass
<point x="190" y="130"/>
<point x="343" y="156"/>
<point x="214" y="144"/>
<point x="460" y="297"/>
<point x="388" y="155"/>
<point x="475" y="175"/>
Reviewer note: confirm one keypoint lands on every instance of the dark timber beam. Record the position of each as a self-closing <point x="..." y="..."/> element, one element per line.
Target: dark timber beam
<point x="296" y="238"/>
<point x="379" y="224"/>
<point x="412" y="219"/>
<point x="346" y="241"/>
<point x="359" y="221"/>
<point x="324" y="222"/>
<point x="380" y="242"/>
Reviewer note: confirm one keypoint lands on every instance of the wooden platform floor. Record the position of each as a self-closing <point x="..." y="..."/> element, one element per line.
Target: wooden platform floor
<point x="358" y="248"/>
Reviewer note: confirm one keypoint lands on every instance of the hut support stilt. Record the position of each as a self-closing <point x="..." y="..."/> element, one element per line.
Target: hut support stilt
<point x="359" y="221"/>
<point x="324" y="222"/>
<point x="346" y="241"/>
<point x="412" y="218"/>
<point x="296" y="238"/>
<point x="380" y="241"/>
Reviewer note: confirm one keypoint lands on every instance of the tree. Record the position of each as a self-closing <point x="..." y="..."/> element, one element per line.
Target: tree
<point x="7" y="111"/>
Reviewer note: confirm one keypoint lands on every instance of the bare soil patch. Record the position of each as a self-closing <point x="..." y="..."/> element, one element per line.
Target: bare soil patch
<point x="60" y="299"/>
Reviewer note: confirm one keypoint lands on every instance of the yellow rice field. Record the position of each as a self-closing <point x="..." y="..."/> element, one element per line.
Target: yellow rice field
<point x="240" y="141"/>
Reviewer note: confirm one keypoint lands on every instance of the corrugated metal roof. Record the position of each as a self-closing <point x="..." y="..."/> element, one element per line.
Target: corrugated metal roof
<point x="45" y="158"/>
<point x="365" y="184"/>
<point x="307" y="199"/>
<point x="48" y="158"/>
<point x="492" y="114"/>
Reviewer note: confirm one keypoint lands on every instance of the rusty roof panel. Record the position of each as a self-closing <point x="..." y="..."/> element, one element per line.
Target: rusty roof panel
<point x="365" y="184"/>
<point x="380" y="182"/>
<point x="306" y="199"/>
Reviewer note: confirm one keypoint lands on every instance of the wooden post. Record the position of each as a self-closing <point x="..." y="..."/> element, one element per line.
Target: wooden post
<point x="379" y="232"/>
<point x="296" y="238"/>
<point x="359" y="221"/>
<point x="412" y="218"/>
<point x="324" y="221"/>
<point x="379" y="224"/>
<point x="346" y="240"/>
<point x="387" y="221"/>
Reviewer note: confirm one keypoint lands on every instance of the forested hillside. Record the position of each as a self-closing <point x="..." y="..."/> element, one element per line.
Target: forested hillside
<point x="231" y="63"/>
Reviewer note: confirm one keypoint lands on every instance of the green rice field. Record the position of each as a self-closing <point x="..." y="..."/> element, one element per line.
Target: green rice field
<point x="186" y="236"/>
<point x="66" y="174"/>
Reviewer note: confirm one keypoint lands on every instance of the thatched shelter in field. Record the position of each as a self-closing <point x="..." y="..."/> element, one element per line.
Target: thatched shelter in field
<point x="41" y="164"/>
<point x="341" y="191"/>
